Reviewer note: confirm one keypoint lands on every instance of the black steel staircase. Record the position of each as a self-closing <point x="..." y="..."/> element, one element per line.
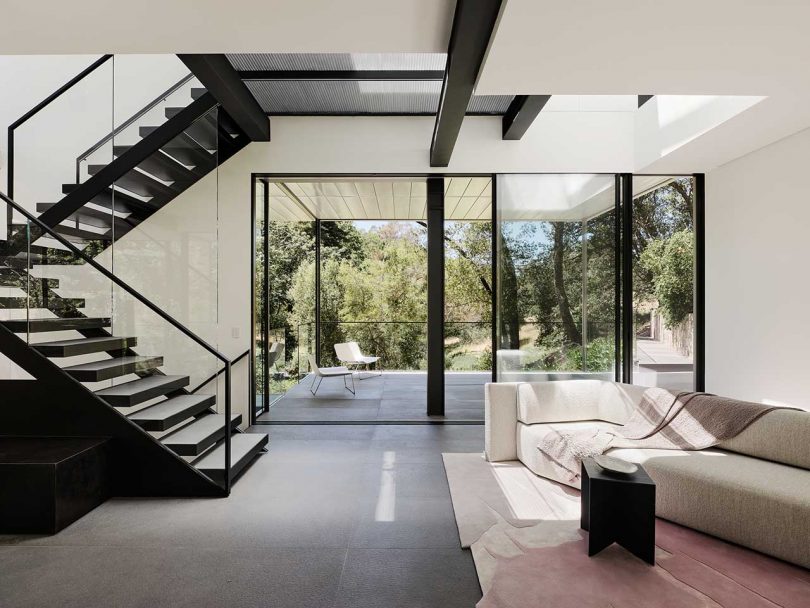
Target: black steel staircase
<point x="170" y="440"/>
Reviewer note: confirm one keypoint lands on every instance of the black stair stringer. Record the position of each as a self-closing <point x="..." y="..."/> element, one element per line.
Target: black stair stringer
<point x="56" y="405"/>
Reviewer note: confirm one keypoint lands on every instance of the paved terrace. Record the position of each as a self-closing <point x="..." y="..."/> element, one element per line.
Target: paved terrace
<point x="397" y="396"/>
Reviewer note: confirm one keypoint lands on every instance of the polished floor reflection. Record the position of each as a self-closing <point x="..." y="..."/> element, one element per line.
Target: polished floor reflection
<point x="332" y="517"/>
<point x="394" y="396"/>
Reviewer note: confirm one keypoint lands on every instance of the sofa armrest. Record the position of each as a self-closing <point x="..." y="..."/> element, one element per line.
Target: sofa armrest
<point x="500" y="420"/>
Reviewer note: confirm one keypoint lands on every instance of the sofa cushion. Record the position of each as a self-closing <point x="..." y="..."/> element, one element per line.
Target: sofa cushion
<point x="563" y="400"/>
<point x="780" y="435"/>
<point x="618" y="401"/>
<point x="756" y="503"/>
<point x="569" y="400"/>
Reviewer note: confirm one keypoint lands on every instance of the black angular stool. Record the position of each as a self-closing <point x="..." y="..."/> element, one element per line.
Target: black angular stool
<point x="620" y="508"/>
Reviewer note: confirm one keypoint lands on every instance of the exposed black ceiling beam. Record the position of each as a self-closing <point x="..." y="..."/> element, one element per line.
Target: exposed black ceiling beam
<point x="521" y="114"/>
<point x="642" y="99"/>
<point x="473" y="26"/>
<point x="341" y="74"/>
<point x="217" y="75"/>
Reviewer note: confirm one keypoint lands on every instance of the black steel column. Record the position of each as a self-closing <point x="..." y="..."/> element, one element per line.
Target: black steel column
<point x="435" y="296"/>
<point x="700" y="281"/>
<point x="627" y="277"/>
<point x="494" y="280"/>
<point x="318" y="291"/>
<point x="617" y="270"/>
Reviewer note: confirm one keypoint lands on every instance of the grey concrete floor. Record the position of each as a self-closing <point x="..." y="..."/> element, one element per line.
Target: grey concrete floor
<point x="333" y="516"/>
<point x="390" y="397"/>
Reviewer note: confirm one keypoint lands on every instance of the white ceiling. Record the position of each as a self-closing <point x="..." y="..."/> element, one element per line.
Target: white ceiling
<point x="570" y="50"/>
<point x="549" y="197"/>
<point x="465" y="199"/>
<point x="563" y="197"/>
<point x="214" y="26"/>
<point x="690" y="47"/>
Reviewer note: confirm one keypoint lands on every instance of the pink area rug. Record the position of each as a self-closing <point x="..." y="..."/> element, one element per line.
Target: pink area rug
<point x="537" y="557"/>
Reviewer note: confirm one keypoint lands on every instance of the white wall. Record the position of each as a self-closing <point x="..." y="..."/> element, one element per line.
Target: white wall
<point x="757" y="290"/>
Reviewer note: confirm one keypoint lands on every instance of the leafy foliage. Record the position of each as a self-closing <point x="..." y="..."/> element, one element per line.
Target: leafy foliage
<point x="670" y="263"/>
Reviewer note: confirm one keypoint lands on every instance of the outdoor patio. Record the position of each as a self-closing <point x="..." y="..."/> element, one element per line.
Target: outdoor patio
<point x="394" y="396"/>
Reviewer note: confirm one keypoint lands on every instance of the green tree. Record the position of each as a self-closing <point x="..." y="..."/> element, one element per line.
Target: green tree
<point x="670" y="263"/>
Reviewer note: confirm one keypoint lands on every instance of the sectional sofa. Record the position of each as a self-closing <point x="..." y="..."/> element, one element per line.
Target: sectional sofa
<point x="753" y="490"/>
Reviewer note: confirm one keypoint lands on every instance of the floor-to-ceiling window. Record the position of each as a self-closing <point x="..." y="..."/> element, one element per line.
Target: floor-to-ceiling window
<point x="352" y="268"/>
<point x="574" y="283"/>
<point x="663" y="262"/>
<point x="556" y="288"/>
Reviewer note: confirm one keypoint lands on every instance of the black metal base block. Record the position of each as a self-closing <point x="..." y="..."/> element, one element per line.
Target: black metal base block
<point x="47" y="483"/>
<point x="618" y="508"/>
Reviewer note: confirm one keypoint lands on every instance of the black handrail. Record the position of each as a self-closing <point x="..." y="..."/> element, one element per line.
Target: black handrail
<point x="217" y="374"/>
<point x="154" y="308"/>
<point x="39" y="107"/>
<point x="131" y="120"/>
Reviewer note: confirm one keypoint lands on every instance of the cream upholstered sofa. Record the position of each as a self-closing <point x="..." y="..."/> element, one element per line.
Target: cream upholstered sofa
<point x="753" y="490"/>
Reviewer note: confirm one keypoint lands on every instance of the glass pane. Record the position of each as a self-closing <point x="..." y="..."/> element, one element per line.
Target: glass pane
<point x="556" y="281"/>
<point x="46" y="167"/>
<point x="663" y="282"/>
<point x="373" y="291"/>
<point x="467" y="295"/>
<point x="285" y="294"/>
<point x="259" y="338"/>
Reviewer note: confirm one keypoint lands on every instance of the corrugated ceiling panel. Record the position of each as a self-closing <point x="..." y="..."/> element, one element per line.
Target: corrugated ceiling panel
<point x="338" y="61"/>
<point x="360" y="97"/>
<point x="372" y="97"/>
<point x="489" y="104"/>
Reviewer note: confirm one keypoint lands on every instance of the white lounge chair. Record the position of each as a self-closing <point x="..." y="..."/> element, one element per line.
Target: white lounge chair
<point x="273" y="353"/>
<point x="349" y="354"/>
<point x="319" y="373"/>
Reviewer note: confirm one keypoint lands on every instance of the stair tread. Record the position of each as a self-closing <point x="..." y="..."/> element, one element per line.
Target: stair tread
<point x="112" y="363"/>
<point x="86" y="235"/>
<point x="134" y="392"/>
<point x="55" y="324"/>
<point x="243" y="446"/>
<point x="108" y="369"/>
<point x="138" y="183"/>
<point x="201" y="434"/>
<point x="172" y="407"/>
<point x="86" y="215"/>
<point x="83" y="346"/>
<point x="164" y="167"/>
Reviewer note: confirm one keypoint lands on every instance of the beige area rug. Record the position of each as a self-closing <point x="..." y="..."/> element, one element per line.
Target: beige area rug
<point x="523" y="531"/>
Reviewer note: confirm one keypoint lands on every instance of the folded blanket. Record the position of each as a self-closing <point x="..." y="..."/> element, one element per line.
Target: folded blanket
<point x="662" y="420"/>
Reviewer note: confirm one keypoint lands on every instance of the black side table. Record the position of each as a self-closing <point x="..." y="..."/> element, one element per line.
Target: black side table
<point x="618" y="508"/>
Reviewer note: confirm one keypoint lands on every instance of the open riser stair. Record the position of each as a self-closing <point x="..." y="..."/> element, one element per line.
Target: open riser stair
<point x="112" y="200"/>
<point x="196" y="430"/>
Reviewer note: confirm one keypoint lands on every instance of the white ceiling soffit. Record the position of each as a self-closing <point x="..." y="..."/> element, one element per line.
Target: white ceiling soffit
<point x="466" y="199"/>
<point x="692" y="47"/>
<point x="564" y="198"/>
<point x="213" y="26"/>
